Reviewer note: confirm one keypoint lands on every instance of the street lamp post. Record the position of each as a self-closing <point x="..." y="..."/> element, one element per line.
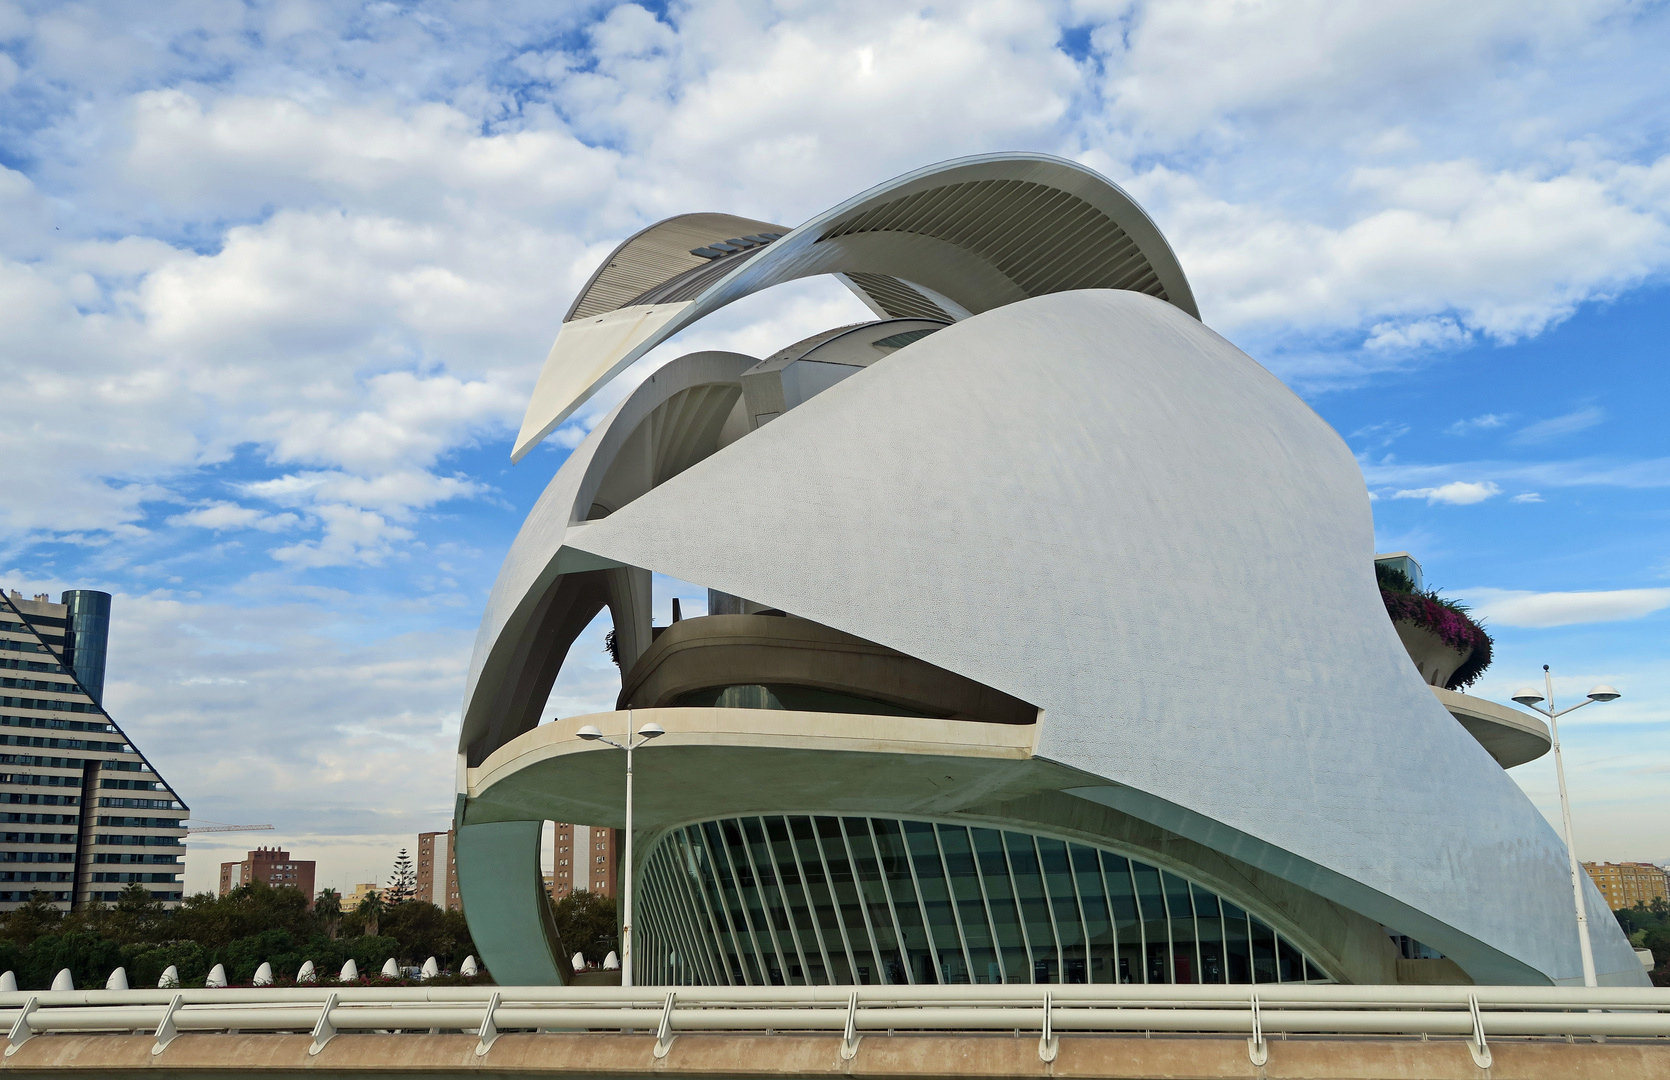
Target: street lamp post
<point x="649" y="731"/>
<point x="1529" y="696"/>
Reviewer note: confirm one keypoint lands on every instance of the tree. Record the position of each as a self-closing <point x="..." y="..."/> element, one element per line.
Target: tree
<point x="327" y="906"/>
<point x="586" y="925"/>
<point x="403" y="881"/>
<point x="37" y="916"/>
<point x="369" y="913"/>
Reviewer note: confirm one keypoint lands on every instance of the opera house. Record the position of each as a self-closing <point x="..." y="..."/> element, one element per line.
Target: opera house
<point x="1043" y="644"/>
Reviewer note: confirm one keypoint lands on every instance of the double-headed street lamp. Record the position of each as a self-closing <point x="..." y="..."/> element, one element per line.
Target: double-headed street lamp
<point x="1529" y="696"/>
<point x="645" y="734"/>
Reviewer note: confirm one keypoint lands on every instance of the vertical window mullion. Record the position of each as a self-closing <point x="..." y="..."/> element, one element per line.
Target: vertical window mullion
<point x="1049" y="910"/>
<point x="742" y="905"/>
<point x="955" y="902"/>
<point x="921" y="904"/>
<point x="788" y="909"/>
<point x="765" y="903"/>
<point x="829" y="887"/>
<point x="1020" y="910"/>
<point x="811" y="905"/>
<point x="710" y="891"/>
<point x="986" y="902"/>
<point x="892" y="905"/>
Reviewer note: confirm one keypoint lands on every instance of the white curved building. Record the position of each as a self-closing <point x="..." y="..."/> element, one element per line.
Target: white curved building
<point x="1044" y="642"/>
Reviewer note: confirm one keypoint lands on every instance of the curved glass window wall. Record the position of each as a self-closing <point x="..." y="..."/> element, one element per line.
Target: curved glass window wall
<point x="804" y="900"/>
<point x="787" y="696"/>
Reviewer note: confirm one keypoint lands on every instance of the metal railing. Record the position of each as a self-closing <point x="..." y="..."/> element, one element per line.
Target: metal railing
<point x="1476" y="1013"/>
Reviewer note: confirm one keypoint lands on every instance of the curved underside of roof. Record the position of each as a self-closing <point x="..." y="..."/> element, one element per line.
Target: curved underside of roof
<point x="649" y="259"/>
<point x="944" y="242"/>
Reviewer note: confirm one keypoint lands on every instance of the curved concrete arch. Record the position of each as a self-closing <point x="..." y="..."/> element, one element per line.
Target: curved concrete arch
<point x="1196" y="544"/>
<point x="546" y="593"/>
<point x="976" y="232"/>
<point x="716" y="762"/>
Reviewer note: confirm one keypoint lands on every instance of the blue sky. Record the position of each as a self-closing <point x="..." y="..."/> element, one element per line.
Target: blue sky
<point x="276" y="280"/>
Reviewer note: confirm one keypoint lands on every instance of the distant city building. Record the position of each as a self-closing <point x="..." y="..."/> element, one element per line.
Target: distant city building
<point x="270" y="866"/>
<point x="352" y="900"/>
<point x="1626" y="884"/>
<point x="437" y="871"/>
<point x="583" y="860"/>
<point x="83" y="815"/>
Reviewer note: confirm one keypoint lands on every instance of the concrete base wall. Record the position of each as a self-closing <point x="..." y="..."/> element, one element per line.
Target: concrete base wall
<point x="879" y="1056"/>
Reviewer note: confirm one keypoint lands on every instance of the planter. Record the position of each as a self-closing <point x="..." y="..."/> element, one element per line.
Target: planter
<point x="1448" y="648"/>
<point x="1436" y="659"/>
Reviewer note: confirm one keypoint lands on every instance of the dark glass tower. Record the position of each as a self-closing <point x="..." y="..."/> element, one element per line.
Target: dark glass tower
<point x="88" y="637"/>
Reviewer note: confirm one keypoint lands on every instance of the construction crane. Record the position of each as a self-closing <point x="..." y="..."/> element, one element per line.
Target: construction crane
<point x="216" y="826"/>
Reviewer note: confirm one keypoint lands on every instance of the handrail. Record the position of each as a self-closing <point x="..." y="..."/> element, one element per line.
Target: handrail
<point x="1471" y="1012"/>
<point x="1270" y="995"/>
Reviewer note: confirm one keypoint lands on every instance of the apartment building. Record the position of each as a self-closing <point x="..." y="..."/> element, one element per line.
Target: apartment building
<point x="437" y="870"/>
<point x="583" y="859"/>
<point x="83" y="814"/>
<point x="272" y="866"/>
<point x="353" y="899"/>
<point x="1626" y="884"/>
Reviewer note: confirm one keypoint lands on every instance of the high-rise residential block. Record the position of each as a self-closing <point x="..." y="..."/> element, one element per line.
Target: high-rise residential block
<point x="583" y="859"/>
<point x="83" y="814"/>
<point x="1628" y="883"/>
<point x="437" y="870"/>
<point x="271" y="866"/>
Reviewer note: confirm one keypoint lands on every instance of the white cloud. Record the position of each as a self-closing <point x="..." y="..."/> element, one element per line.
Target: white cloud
<point x="1483" y="422"/>
<point x="1527" y="497"/>
<point x="352" y="535"/>
<point x="1419" y="334"/>
<point x="1554" y="427"/>
<point x="1455" y="493"/>
<point x="1509" y="607"/>
<point x="223" y="516"/>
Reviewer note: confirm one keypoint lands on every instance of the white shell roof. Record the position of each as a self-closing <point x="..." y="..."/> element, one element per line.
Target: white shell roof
<point x="943" y="242"/>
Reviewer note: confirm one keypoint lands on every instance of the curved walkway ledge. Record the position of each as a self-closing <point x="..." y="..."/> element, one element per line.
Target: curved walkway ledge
<point x="1508" y="735"/>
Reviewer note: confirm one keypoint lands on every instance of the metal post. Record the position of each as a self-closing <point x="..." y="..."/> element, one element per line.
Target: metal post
<point x="1583" y="945"/>
<point x="626" y="871"/>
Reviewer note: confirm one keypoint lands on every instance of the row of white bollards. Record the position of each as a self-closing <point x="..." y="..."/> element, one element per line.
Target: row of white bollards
<point x="264" y="975"/>
<point x="610" y="962"/>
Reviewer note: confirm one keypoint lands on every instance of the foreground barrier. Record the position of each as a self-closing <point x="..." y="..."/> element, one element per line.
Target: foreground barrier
<point x="1258" y="1012"/>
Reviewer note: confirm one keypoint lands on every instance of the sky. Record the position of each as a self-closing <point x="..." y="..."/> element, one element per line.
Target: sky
<point x="276" y="280"/>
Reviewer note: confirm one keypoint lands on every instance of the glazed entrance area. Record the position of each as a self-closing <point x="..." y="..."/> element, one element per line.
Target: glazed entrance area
<point x="823" y="900"/>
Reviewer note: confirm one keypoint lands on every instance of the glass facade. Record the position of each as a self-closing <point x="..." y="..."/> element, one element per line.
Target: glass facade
<point x="807" y="900"/>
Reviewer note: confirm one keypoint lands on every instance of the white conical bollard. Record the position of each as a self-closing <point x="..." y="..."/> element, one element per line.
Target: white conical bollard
<point x="611" y="962"/>
<point x="118" y="980"/>
<point x="430" y="969"/>
<point x="579" y="961"/>
<point x="391" y="970"/>
<point x="170" y="979"/>
<point x="469" y="969"/>
<point x="307" y="974"/>
<point x="217" y="977"/>
<point x="263" y="975"/>
<point x="8" y="983"/>
<point x="350" y="972"/>
<point x="63" y="980"/>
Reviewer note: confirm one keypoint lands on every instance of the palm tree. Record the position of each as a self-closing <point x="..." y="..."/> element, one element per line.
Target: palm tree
<point x="371" y="910"/>
<point x="328" y="906"/>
